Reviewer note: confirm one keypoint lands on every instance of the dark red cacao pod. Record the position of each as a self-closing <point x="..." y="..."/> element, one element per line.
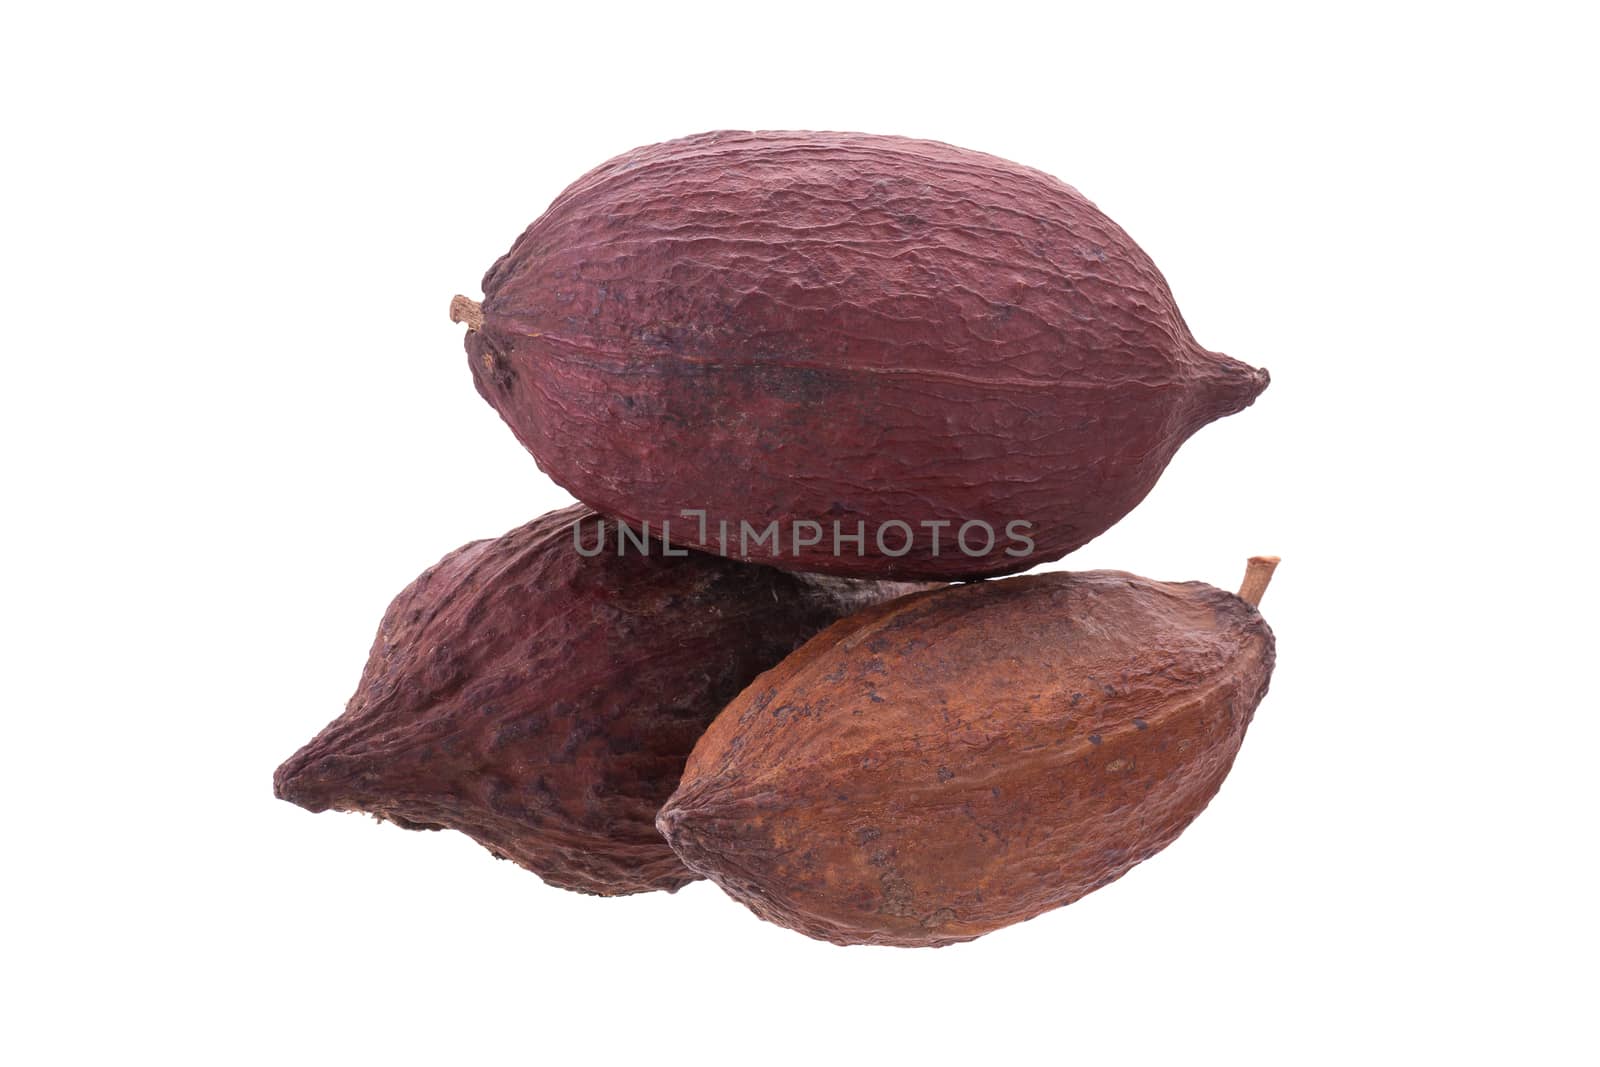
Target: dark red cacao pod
<point x="847" y="330"/>
<point x="949" y="763"/>
<point x="543" y="702"/>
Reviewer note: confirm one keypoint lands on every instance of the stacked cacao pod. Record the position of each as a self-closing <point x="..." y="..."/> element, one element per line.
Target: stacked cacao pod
<point x="799" y="383"/>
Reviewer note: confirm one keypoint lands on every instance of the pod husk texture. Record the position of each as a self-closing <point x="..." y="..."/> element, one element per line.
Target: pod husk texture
<point x="543" y="703"/>
<point x="952" y="762"/>
<point x="844" y="328"/>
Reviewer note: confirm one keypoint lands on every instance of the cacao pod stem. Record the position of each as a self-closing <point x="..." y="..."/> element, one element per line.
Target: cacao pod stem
<point x="467" y="311"/>
<point x="1257" y="574"/>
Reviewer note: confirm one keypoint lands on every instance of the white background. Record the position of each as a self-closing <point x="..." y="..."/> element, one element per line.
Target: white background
<point x="237" y="421"/>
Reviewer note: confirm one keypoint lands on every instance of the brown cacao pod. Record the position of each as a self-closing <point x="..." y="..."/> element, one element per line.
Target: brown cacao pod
<point x="543" y="701"/>
<point x="821" y="334"/>
<point x="946" y="764"/>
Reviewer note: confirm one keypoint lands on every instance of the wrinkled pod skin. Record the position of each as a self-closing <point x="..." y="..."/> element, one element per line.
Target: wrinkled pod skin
<point x="543" y="703"/>
<point x="953" y="762"/>
<point x="843" y="328"/>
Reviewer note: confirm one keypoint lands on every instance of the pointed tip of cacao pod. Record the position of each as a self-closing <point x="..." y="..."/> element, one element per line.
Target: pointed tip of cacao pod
<point x="701" y="836"/>
<point x="305" y="782"/>
<point x="666" y="822"/>
<point x="671" y="823"/>
<point x="286" y="784"/>
<point x="1228" y="387"/>
<point x="1259" y="380"/>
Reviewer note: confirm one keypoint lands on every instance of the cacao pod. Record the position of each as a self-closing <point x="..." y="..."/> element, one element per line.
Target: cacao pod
<point x="943" y="765"/>
<point x="543" y="701"/>
<point x="842" y="353"/>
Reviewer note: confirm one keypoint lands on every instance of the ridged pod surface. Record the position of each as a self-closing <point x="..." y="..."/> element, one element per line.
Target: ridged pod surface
<point x="845" y="329"/>
<point x="938" y="767"/>
<point x="543" y="702"/>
